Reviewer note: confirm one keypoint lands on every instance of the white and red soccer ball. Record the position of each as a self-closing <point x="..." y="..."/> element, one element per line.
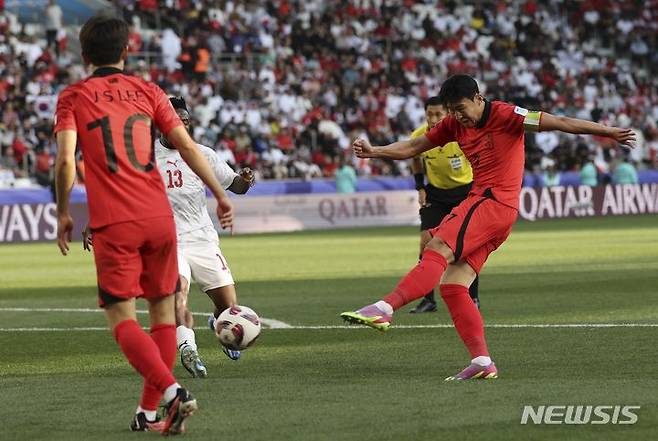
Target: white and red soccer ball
<point x="237" y="327"/>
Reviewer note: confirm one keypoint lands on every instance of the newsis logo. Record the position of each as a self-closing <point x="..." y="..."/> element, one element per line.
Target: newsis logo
<point x="579" y="415"/>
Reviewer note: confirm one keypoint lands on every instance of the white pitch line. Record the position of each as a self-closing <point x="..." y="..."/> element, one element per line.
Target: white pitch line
<point x="356" y="328"/>
<point x="271" y="323"/>
<point x="497" y="325"/>
<point x="277" y="324"/>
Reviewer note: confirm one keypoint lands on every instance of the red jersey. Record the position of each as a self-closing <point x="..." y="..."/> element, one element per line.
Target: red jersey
<point x="113" y="115"/>
<point x="495" y="148"/>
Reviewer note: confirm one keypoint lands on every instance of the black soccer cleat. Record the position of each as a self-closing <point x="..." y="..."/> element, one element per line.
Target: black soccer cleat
<point x="178" y="410"/>
<point x="425" y="305"/>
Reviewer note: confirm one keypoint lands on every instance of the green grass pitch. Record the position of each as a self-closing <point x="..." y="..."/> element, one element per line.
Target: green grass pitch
<point x="321" y="381"/>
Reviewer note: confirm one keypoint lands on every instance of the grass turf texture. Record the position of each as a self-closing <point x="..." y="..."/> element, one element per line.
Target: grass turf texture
<point x="353" y="383"/>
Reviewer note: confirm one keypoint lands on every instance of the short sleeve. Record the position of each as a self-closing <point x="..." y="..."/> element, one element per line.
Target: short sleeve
<point x="64" y="115"/>
<point x="420" y="131"/>
<point x="523" y="119"/>
<point x="224" y="174"/>
<point x="164" y="114"/>
<point x="443" y="132"/>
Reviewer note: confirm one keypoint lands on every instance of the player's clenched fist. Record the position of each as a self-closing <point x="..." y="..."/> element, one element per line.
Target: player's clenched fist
<point x="362" y="148"/>
<point x="225" y="212"/>
<point x="248" y="176"/>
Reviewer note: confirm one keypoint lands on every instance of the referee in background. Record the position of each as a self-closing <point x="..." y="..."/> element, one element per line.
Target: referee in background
<point x="449" y="177"/>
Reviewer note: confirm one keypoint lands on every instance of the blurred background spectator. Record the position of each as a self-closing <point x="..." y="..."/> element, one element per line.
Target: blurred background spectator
<point x="624" y="172"/>
<point x="283" y="86"/>
<point x="345" y="177"/>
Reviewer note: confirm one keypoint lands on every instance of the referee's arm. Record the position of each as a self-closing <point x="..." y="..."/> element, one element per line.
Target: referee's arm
<point x="418" y="171"/>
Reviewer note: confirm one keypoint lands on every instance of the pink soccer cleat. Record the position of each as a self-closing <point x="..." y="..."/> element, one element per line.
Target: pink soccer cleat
<point x="369" y="315"/>
<point x="476" y="372"/>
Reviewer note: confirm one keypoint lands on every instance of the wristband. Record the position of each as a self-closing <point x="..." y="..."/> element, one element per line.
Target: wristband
<point x="419" y="178"/>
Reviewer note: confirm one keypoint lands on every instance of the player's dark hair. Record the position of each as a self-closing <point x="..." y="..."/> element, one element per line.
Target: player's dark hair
<point x="433" y="101"/>
<point x="102" y="39"/>
<point x="178" y="102"/>
<point x="457" y="87"/>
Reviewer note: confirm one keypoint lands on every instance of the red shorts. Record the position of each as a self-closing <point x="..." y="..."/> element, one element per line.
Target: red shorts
<point x="475" y="228"/>
<point x="136" y="259"/>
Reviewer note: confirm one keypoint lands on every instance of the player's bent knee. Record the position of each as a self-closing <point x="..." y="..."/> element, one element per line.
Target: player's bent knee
<point x="437" y="244"/>
<point x="425" y="238"/>
<point x="459" y="273"/>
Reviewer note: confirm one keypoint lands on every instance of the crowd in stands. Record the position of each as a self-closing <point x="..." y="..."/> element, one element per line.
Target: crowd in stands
<point x="282" y="86"/>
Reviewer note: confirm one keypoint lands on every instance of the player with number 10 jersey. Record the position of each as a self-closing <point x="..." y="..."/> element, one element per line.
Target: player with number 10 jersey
<point x="113" y="115"/>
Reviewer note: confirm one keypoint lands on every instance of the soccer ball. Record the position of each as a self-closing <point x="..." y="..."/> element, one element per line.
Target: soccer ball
<point x="237" y="327"/>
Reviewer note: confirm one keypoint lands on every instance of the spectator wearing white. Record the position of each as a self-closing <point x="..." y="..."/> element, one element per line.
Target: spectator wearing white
<point x="551" y="176"/>
<point x="275" y="159"/>
<point x="273" y="155"/>
<point x="225" y="154"/>
<point x="639" y="49"/>
<point x="547" y="141"/>
<point x="306" y="169"/>
<point x="53" y="24"/>
<point x="171" y="49"/>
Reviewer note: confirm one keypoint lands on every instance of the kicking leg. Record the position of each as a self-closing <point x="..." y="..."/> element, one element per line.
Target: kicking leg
<point x="224" y="297"/>
<point x="421" y="279"/>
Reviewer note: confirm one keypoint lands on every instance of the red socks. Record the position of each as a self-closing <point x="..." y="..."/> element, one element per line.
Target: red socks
<point x="145" y="355"/>
<point x="466" y="317"/>
<point x="164" y="337"/>
<point x="419" y="281"/>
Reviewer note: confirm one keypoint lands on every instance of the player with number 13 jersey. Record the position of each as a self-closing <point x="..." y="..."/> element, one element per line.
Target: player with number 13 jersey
<point x="199" y="255"/>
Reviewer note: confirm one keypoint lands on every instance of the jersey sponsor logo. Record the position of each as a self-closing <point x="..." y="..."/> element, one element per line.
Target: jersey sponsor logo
<point x="174" y="162"/>
<point x="520" y="111"/>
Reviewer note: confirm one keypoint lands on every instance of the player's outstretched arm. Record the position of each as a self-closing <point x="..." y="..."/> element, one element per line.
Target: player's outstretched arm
<point x="64" y="179"/>
<point x="199" y="165"/>
<point x="582" y="127"/>
<point x="243" y="181"/>
<point x="397" y="150"/>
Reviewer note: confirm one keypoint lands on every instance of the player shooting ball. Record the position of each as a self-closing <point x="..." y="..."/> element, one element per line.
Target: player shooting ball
<point x="199" y="256"/>
<point x="492" y="136"/>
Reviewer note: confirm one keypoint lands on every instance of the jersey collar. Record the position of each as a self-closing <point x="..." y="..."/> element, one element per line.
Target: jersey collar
<point x="105" y="71"/>
<point x="485" y="115"/>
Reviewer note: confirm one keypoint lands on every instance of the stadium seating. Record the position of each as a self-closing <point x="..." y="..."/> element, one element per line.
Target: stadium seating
<point x="284" y="86"/>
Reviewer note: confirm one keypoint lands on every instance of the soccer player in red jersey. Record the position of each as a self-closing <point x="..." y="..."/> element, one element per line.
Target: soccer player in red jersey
<point x="111" y="116"/>
<point x="491" y="135"/>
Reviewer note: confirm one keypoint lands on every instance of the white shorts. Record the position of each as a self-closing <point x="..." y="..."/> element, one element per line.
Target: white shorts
<point x="205" y="264"/>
